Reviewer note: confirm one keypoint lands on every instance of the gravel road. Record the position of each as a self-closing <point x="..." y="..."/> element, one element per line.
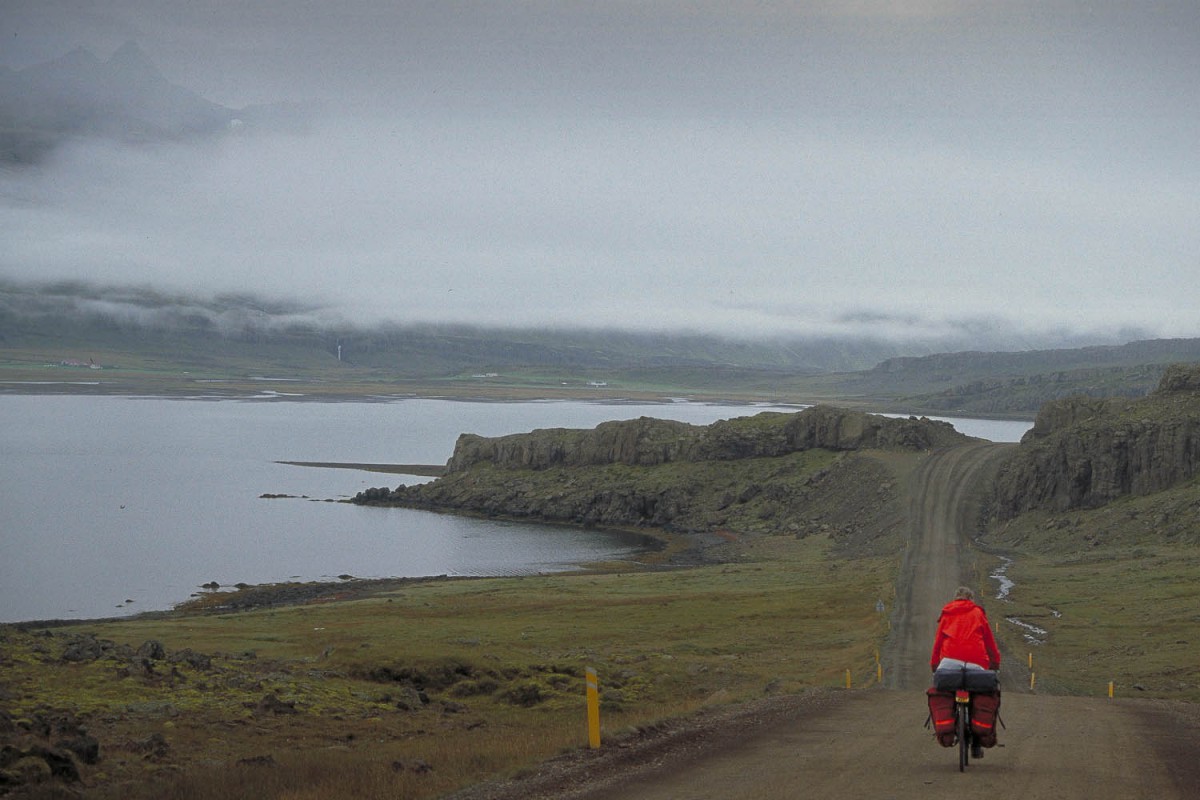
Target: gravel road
<point x="871" y="743"/>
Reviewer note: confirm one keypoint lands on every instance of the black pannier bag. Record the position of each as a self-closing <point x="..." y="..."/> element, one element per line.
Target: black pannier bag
<point x="981" y="680"/>
<point x="948" y="680"/>
<point x="973" y="680"/>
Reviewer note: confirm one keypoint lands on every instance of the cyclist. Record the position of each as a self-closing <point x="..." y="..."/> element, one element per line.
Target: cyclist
<point x="964" y="639"/>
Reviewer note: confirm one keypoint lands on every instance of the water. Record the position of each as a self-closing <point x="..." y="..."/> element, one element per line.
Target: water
<point x="115" y="505"/>
<point x="1004" y="584"/>
<point x="995" y="430"/>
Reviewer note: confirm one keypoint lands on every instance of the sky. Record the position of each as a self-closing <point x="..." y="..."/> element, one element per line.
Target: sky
<point x="831" y="167"/>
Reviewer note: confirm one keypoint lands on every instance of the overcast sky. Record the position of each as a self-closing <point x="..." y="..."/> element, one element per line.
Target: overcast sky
<point x="829" y="166"/>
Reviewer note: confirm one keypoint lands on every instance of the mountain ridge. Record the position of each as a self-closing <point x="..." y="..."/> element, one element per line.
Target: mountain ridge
<point x="125" y="98"/>
<point x="227" y="335"/>
<point x="76" y="313"/>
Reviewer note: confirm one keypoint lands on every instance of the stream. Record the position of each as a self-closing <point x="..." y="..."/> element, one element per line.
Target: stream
<point x="1032" y="633"/>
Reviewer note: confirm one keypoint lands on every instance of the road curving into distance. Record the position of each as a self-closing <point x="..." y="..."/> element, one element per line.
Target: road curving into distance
<point x="871" y="743"/>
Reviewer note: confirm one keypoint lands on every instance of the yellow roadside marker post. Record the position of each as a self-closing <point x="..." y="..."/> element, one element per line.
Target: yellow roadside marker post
<point x="593" y="708"/>
<point x="847" y="679"/>
<point x="1110" y="690"/>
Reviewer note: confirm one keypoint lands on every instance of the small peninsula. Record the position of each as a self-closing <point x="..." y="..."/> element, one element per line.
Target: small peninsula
<point x="768" y="473"/>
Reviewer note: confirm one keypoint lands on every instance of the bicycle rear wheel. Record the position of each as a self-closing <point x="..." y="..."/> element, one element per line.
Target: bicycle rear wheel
<point x="964" y="732"/>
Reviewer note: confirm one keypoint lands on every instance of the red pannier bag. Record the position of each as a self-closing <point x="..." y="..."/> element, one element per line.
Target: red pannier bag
<point x="985" y="711"/>
<point x="941" y="714"/>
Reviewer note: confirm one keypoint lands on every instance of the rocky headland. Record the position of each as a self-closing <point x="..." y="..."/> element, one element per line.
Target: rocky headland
<point x="800" y="473"/>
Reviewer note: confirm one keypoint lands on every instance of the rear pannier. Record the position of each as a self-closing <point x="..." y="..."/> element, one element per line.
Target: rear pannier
<point x="985" y="711"/>
<point x="941" y="714"/>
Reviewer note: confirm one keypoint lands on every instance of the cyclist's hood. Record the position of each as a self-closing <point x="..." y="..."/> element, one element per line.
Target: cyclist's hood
<point x="956" y="607"/>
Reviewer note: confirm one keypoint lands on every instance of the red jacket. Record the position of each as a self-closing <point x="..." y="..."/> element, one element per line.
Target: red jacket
<point x="964" y="633"/>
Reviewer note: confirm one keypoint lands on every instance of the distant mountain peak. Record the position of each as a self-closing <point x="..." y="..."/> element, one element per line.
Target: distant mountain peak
<point x="128" y="49"/>
<point x="129" y="62"/>
<point x="80" y="57"/>
<point x="130" y="53"/>
<point x="126" y="97"/>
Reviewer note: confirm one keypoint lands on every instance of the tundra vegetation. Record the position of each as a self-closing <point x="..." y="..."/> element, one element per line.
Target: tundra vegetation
<point x="416" y="688"/>
<point x="419" y="689"/>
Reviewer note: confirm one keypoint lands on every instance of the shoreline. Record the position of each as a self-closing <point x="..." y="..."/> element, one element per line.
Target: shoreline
<point x="657" y="551"/>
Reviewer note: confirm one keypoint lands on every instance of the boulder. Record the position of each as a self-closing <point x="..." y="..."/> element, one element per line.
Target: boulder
<point x="155" y="746"/>
<point x="152" y="649"/>
<point x="86" y="748"/>
<point x="30" y="761"/>
<point x="272" y="704"/>
<point x="82" y="649"/>
<point x="197" y="661"/>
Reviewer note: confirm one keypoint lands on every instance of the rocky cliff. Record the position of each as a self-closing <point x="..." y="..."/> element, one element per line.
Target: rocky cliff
<point x="1083" y="452"/>
<point x="647" y="441"/>
<point x="796" y="473"/>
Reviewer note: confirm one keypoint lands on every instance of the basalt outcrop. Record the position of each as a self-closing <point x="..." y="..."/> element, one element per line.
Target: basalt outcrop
<point x="1085" y="452"/>
<point x="648" y="441"/>
<point x="771" y="472"/>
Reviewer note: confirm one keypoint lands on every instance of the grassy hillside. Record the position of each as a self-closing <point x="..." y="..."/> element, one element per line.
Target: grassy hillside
<point x="1110" y="594"/>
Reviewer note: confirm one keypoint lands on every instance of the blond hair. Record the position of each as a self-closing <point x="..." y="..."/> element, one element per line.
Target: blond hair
<point x="964" y="593"/>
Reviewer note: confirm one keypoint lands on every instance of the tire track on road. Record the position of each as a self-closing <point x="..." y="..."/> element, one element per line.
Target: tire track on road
<point x="946" y="493"/>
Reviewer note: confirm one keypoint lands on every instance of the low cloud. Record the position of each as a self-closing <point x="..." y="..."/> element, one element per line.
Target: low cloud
<point x="841" y="176"/>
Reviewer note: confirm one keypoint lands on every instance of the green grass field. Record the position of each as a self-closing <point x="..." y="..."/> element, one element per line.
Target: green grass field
<point x="500" y="663"/>
<point x="1117" y="592"/>
<point x="1126" y="616"/>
